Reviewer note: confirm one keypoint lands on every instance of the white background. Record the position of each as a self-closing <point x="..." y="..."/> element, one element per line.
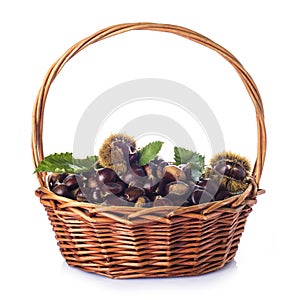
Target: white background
<point x="264" y="35"/>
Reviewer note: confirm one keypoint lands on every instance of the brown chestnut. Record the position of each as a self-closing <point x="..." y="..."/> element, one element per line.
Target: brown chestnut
<point x="79" y="195"/>
<point x="133" y="158"/>
<point x="177" y="199"/>
<point x="161" y="189"/>
<point x="114" y="187"/>
<point x="222" y="194"/>
<point x="200" y="195"/>
<point x="113" y="200"/>
<point x="230" y="169"/>
<point x="72" y="181"/>
<point x="173" y="173"/>
<point x="223" y="168"/>
<point x="133" y="193"/>
<point x="160" y="169"/>
<point x="92" y="182"/>
<point x="237" y="172"/>
<point x="95" y="195"/>
<point x="151" y="184"/>
<point x="187" y="202"/>
<point x="143" y="201"/>
<point x="137" y="170"/>
<point x="162" y="201"/>
<point x="61" y="190"/>
<point x="55" y="178"/>
<point x="209" y="185"/>
<point x="187" y="169"/>
<point x="177" y="187"/>
<point x="133" y="179"/>
<point x="105" y="175"/>
<point x="150" y="169"/>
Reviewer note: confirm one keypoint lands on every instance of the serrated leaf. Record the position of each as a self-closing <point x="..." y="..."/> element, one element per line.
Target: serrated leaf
<point x="195" y="174"/>
<point x="64" y="162"/>
<point x="182" y="155"/>
<point x="85" y="163"/>
<point x="197" y="161"/>
<point x="149" y="152"/>
<point x="193" y="159"/>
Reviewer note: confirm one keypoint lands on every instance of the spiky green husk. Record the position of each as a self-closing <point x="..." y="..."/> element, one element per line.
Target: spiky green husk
<point x="227" y="183"/>
<point x="233" y="158"/>
<point x="232" y="185"/>
<point x="105" y="152"/>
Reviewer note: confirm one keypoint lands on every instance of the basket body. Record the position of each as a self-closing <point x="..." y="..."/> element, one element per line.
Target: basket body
<point x="166" y="242"/>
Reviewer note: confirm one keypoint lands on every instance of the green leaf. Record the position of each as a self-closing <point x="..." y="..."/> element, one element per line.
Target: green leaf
<point x="182" y="155"/>
<point x="193" y="159"/>
<point x="149" y="152"/>
<point x="65" y="162"/>
<point x="195" y="174"/>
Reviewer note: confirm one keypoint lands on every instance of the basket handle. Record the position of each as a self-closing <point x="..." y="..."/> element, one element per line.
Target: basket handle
<point x="39" y="106"/>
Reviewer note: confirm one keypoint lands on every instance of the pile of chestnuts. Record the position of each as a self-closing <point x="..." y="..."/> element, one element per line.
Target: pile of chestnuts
<point x="122" y="181"/>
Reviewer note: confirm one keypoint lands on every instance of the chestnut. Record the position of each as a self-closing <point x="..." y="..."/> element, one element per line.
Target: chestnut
<point x="150" y="169"/>
<point x="187" y="202"/>
<point x="187" y="169"/>
<point x="56" y="178"/>
<point x="72" y="181"/>
<point x="161" y="189"/>
<point x="92" y="182"/>
<point x="222" y="194"/>
<point x="177" y="199"/>
<point x="105" y="175"/>
<point x="133" y="158"/>
<point x="113" y="200"/>
<point x="121" y="197"/>
<point x="232" y="170"/>
<point x="223" y="168"/>
<point x="151" y="184"/>
<point x="209" y="185"/>
<point x="95" y="195"/>
<point x="162" y="201"/>
<point x="173" y="173"/>
<point x="133" y="179"/>
<point x="177" y="187"/>
<point x="128" y="177"/>
<point x="79" y="195"/>
<point x="138" y="170"/>
<point x="114" y="187"/>
<point x="160" y="169"/>
<point x="133" y="193"/>
<point x="86" y="175"/>
<point x="200" y="195"/>
<point x="151" y="195"/>
<point x="143" y="201"/>
<point x="137" y="182"/>
<point x="61" y="190"/>
<point x="238" y="172"/>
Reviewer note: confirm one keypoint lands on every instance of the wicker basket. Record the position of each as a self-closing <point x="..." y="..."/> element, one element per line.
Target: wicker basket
<point x="129" y="242"/>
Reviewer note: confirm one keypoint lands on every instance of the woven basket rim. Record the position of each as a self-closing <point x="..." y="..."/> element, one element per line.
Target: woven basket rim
<point x="234" y="202"/>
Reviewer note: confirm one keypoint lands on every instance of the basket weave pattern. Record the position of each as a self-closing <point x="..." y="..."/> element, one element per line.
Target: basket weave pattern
<point x="160" y="242"/>
<point x="129" y="242"/>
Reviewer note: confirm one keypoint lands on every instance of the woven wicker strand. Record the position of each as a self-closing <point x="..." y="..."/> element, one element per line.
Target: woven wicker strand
<point x="129" y="242"/>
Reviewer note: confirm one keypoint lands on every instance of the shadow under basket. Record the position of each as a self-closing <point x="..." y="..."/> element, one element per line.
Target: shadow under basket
<point x="131" y="242"/>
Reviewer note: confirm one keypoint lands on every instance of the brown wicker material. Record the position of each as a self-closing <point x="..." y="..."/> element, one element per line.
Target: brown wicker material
<point x="130" y="242"/>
